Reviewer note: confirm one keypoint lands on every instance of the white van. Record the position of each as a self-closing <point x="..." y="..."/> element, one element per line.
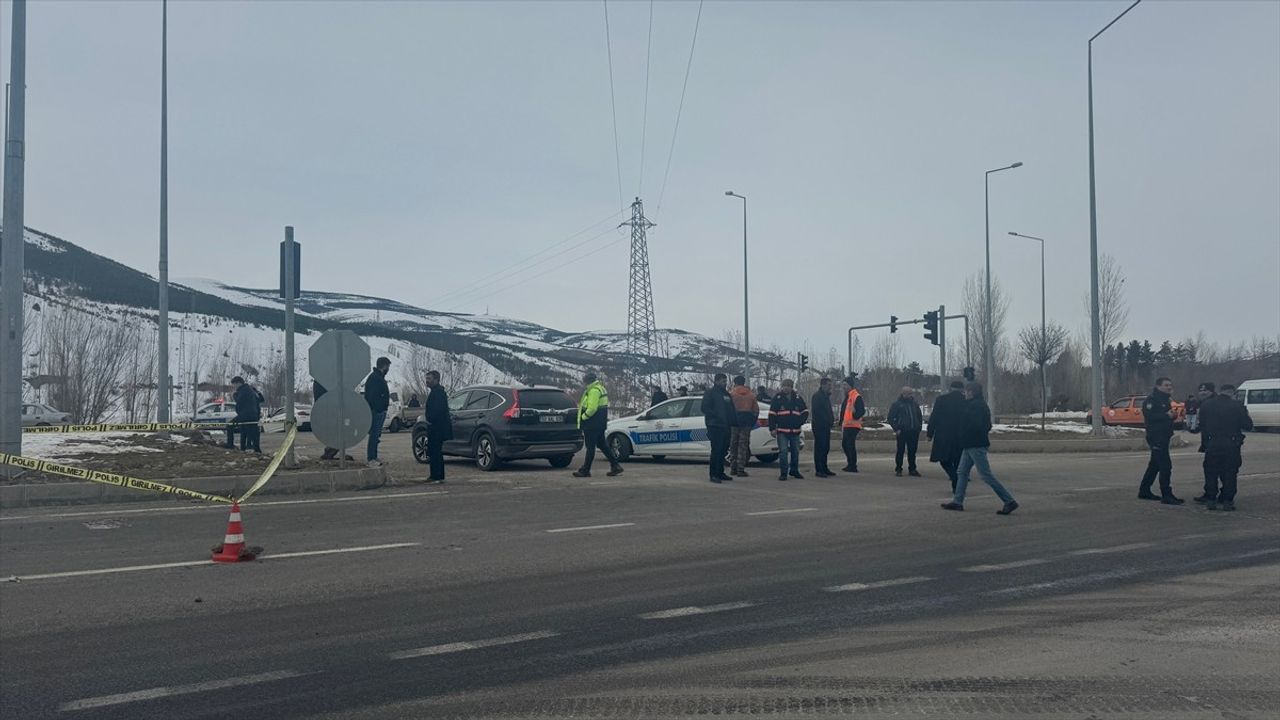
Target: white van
<point x="1262" y="398"/>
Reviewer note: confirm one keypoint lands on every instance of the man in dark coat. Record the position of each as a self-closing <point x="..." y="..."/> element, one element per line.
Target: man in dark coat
<point x="378" y="395"/>
<point x="906" y="420"/>
<point x="823" y="420"/>
<point x="718" y="412"/>
<point x="975" y="429"/>
<point x="1157" y="416"/>
<point x="248" y="412"/>
<point x="944" y="431"/>
<point x="787" y="416"/>
<point x="1223" y="422"/>
<point x="439" y="425"/>
<point x="657" y="397"/>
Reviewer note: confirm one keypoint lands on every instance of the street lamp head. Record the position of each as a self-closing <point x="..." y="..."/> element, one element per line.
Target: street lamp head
<point x="1017" y="164"/>
<point x="1013" y="233"/>
<point x="728" y="192"/>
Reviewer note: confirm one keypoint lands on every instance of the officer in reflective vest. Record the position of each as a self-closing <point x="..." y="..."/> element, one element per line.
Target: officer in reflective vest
<point x="851" y="412"/>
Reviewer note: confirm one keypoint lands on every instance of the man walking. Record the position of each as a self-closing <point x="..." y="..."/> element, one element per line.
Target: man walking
<point x="1223" y="422"/>
<point x="593" y="418"/>
<point x="852" y="410"/>
<point x="944" y="431"/>
<point x="248" y="412"/>
<point x="439" y="425"/>
<point x="906" y="419"/>
<point x="1157" y="416"/>
<point x="378" y="395"/>
<point x="746" y="413"/>
<point x="717" y="412"/>
<point x="787" y="415"/>
<point x="823" y="421"/>
<point x="974" y="439"/>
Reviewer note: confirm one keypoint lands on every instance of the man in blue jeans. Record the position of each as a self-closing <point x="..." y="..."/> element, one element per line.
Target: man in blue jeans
<point x="975" y="425"/>
<point x="378" y="395"/>
<point x="787" y="416"/>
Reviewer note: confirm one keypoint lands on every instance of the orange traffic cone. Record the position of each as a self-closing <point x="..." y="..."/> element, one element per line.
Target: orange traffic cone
<point x="232" y="548"/>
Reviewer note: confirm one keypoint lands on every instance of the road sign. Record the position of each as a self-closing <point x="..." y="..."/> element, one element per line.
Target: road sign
<point x="341" y="418"/>
<point x="339" y="360"/>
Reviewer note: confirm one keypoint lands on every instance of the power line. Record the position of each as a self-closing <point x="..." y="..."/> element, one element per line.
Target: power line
<point x="613" y="103"/>
<point x="548" y="271"/>
<point x="680" y="109"/>
<point x="644" y="124"/>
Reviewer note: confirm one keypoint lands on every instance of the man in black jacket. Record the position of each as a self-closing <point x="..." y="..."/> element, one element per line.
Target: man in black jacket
<point x="1223" y="422"/>
<point x="717" y="411"/>
<point x="823" y="420"/>
<point x="657" y="397"/>
<point x="439" y="425"/>
<point x="1157" y="416"/>
<point x="944" y="431"/>
<point x="975" y="426"/>
<point x="378" y="395"/>
<point x="906" y="420"/>
<point x="248" y="412"/>
<point x="787" y="416"/>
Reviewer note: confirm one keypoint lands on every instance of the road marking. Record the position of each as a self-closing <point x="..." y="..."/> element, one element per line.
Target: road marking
<point x="253" y="505"/>
<point x="1004" y="566"/>
<point x="694" y="610"/>
<point x="171" y="690"/>
<point x="472" y="645"/>
<point x="1115" y="549"/>
<point x="590" y="527"/>
<point x="1256" y="553"/>
<point x="782" y="512"/>
<point x="875" y="585"/>
<point x="1091" y="489"/>
<point x="604" y="483"/>
<point x="197" y="563"/>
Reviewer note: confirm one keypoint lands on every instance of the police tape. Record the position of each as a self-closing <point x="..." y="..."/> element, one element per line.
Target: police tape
<point x="134" y="427"/>
<point x="106" y="478"/>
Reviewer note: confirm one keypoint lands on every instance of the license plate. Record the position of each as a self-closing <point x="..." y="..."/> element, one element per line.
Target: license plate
<point x="551" y="419"/>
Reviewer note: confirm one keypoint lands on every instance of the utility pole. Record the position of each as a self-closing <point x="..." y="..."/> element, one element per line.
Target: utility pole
<point x="746" y="313"/>
<point x="641" y="327"/>
<point x="289" y="256"/>
<point x="12" y="264"/>
<point x="165" y="381"/>
<point x="942" y="348"/>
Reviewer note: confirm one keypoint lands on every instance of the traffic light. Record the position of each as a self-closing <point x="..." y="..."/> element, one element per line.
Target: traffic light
<point x="931" y="326"/>
<point x="804" y="362"/>
<point x="893" y="323"/>
<point x="969" y="374"/>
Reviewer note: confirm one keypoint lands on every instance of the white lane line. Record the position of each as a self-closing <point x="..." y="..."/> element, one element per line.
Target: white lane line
<point x="605" y="483"/>
<point x="694" y="610"/>
<point x="197" y="563"/>
<point x="590" y="527"/>
<point x="472" y="645"/>
<point x="1115" y="549"/>
<point x="848" y="587"/>
<point x="1091" y="489"/>
<point x="782" y="512"/>
<point x="223" y="507"/>
<point x="1256" y="553"/>
<point x="171" y="690"/>
<point x="1004" y="566"/>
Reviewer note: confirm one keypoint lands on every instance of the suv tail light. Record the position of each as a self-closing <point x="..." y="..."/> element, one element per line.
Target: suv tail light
<point x="513" y="412"/>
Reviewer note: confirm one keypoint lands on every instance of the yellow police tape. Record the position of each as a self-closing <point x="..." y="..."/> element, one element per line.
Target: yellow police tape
<point x="135" y="427"/>
<point x="106" y="478"/>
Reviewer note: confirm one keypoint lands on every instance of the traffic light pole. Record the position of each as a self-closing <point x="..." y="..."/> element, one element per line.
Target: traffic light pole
<point x="942" y="348"/>
<point x="894" y="324"/>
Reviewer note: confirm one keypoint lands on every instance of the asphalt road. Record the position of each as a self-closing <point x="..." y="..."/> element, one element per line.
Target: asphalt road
<point x="528" y="593"/>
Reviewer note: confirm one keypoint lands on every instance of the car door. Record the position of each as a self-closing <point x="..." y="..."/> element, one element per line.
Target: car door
<point x="29" y="416"/>
<point x="691" y="431"/>
<point x="656" y="431"/>
<point x="460" y="443"/>
<point x="1117" y="413"/>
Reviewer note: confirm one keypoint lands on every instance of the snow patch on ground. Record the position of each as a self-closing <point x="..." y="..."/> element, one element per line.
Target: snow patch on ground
<point x="62" y="446"/>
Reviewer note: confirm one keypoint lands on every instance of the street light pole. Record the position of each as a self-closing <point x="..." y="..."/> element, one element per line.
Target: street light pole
<point x="1095" y="321"/>
<point x="12" y="269"/>
<point x="988" y="342"/>
<point x="165" y="382"/>
<point x="1044" y="335"/>
<point x="746" y="317"/>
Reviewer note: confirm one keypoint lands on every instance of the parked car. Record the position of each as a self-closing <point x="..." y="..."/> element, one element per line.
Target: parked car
<point x="215" y="413"/>
<point x="676" y="428"/>
<point x="40" y="415"/>
<point x="1127" y="411"/>
<point x="275" y="421"/>
<point x="494" y="424"/>
<point x="1262" y="398"/>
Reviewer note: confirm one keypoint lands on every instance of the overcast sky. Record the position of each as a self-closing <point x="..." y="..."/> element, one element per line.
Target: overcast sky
<point x="420" y="148"/>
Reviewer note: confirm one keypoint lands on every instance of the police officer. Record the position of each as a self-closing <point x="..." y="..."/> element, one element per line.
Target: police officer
<point x="593" y="418"/>
<point x="1223" y="422"/>
<point x="1157" y="416"/>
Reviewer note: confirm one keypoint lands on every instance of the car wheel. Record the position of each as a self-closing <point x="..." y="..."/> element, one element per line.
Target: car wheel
<point x="767" y="459"/>
<point x="396" y="426"/>
<point x="561" y="461"/>
<point x="487" y="453"/>
<point x="305" y="427"/>
<point x="621" y="447"/>
<point x="420" y="447"/>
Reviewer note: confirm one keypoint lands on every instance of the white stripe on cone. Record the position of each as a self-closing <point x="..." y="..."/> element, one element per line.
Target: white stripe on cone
<point x="234" y="539"/>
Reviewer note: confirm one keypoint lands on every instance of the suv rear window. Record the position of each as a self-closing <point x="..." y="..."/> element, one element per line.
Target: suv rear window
<point x="546" y="400"/>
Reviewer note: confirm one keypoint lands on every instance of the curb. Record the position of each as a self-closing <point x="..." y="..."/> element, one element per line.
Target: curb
<point x="289" y="483"/>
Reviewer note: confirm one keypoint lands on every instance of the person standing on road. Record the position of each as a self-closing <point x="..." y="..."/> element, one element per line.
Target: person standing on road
<point x="439" y="425"/>
<point x="944" y="431"/>
<point x="906" y="419"/>
<point x="1157" y="416"/>
<point x="718" y="413"/>
<point x="593" y="418"/>
<point x="974" y="439"/>
<point x="852" y="410"/>
<point x="823" y="421"/>
<point x="682" y="391"/>
<point x="787" y="416"/>
<point x="1223" y="422"/>
<point x="378" y="395"/>
<point x="746" y="413"/>
<point x="248" y="412"/>
<point x="762" y="394"/>
<point x="657" y="397"/>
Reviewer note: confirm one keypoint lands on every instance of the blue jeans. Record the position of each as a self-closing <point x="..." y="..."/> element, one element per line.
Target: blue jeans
<point x="788" y="452"/>
<point x="977" y="457"/>
<point x="375" y="434"/>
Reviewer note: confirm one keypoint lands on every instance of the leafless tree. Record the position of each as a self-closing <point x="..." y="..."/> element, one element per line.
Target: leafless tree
<point x="88" y="353"/>
<point x="975" y="306"/>
<point x="1113" y="308"/>
<point x="886" y="353"/>
<point x="1041" y="346"/>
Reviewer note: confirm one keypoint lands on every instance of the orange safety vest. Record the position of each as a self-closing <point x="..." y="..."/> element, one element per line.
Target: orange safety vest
<point x="848" y="420"/>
